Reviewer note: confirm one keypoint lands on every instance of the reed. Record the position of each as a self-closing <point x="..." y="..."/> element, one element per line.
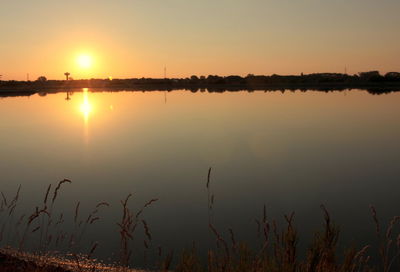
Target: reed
<point x="278" y="249"/>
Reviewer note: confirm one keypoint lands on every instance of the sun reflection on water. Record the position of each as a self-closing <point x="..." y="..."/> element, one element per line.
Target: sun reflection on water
<point x="86" y="107"/>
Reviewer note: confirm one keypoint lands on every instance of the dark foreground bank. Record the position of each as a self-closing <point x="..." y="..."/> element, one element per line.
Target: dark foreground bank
<point x="10" y="263"/>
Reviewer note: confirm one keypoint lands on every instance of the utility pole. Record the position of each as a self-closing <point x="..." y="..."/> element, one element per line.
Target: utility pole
<point x="165" y="72"/>
<point x="27" y="77"/>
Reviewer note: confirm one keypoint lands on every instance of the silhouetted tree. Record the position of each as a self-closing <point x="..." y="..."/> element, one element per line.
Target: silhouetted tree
<point x="393" y="76"/>
<point x="42" y="79"/>
<point x="372" y="75"/>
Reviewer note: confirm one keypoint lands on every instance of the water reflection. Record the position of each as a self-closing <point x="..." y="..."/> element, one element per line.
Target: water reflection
<point x="69" y="94"/>
<point x="86" y="106"/>
<point x="86" y="109"/>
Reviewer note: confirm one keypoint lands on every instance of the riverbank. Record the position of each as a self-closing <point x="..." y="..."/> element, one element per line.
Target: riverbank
<point x="322" y="82"/>
<point x="13" y="263"/>
<point x="31" y="89"/>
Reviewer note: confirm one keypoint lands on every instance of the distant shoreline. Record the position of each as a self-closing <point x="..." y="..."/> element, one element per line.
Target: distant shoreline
<point x="374" y="83"/>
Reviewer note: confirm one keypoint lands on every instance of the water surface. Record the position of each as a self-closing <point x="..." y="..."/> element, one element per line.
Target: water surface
<point x="291" y="151"/>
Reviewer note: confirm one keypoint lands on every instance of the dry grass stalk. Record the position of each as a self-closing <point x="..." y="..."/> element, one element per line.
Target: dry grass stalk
<point x="4" y="199"/>
<point x="146" y="229"/>
<point x="58" y="188"/>
<point x="102" y="204"/>
<point x="47" y="195"/>
<point x="15" y="199"/>
<point x="95" y="245"/>
<point x="76" y="212"/>
<point x="278" y="252"/>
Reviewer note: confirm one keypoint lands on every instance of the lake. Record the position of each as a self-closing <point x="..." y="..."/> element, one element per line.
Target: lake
<point x="291" y="151"/>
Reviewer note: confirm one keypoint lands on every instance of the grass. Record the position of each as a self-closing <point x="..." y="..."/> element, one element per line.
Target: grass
<point x="278" y="250"/>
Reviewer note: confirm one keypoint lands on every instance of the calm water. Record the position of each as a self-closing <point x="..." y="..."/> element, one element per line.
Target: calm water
<point x="292" y="151"/>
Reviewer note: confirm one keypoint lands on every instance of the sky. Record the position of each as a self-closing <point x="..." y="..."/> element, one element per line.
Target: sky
<point x="138" y="38"/>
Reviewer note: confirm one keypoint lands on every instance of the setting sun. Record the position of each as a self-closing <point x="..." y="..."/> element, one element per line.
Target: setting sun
<point x="84" y="61"/>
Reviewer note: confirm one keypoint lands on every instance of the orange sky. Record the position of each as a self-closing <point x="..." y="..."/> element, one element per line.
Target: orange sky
<point x="132" y="38"/>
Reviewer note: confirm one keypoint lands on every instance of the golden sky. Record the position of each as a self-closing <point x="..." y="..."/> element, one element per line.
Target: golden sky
<point x="137" y="38"/>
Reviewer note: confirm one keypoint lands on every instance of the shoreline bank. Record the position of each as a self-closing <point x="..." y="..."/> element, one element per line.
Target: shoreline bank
<point x="27" y="89"/>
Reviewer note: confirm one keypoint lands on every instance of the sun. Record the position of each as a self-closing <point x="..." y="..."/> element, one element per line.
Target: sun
<point x="84" y="61"/>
